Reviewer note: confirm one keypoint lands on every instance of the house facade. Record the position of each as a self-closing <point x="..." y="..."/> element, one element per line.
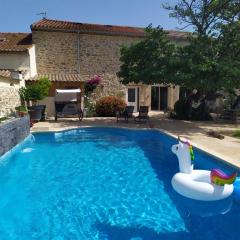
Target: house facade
<point x="17" y="63"/>
<point x="70" y="53"/>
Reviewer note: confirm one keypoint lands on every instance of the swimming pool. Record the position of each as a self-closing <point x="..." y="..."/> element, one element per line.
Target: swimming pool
<point x="105" y="183"/>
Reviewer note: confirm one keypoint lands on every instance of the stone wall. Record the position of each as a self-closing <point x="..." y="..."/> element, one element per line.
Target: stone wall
<point x="98" y="54"/>
<point x="110" y="87"/>
<point x="55" y="52"/>
<point x="12" y="132"/>
<point x="9" y="97"/>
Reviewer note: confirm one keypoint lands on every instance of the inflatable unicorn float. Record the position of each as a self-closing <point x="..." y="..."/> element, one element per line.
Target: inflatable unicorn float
<point x="199" y="184"/>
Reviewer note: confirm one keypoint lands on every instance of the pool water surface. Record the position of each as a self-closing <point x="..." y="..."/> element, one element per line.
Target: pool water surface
<point x="105" y="183"/>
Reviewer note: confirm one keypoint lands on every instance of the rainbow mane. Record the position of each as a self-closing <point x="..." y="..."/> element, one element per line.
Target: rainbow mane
<point x="218" y="177"/>
<point x="189" y="146"/>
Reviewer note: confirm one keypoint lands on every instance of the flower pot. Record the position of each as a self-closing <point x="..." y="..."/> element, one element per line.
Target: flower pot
<point x="37" y="112"/>
<point x="43" y="107"/>
<point x="22" y="114"/>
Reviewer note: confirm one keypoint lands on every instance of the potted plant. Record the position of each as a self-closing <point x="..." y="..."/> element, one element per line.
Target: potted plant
<point x="22" y="110"/>
<point x="33" y="93"/>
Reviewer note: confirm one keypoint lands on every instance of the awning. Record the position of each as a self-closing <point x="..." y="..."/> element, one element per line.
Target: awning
<point x="68" y="90"/>
<point x="67" y="95"/>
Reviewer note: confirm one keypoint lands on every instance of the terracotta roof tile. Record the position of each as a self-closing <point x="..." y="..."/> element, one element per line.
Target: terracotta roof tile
<point x="66" y="26"/>
<point x="15" y="42"/>
<point x="5" y="73"/>
<point x="60" y="77"/>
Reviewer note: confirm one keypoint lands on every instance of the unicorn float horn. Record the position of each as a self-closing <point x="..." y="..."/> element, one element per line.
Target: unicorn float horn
<point x="185" y="155"/>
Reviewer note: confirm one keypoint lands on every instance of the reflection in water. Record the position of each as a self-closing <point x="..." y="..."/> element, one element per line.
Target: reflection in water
<point x="236" y="191"/>
<point x="203" y="209"/>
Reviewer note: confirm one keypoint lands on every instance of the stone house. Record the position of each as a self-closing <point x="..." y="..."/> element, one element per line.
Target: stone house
<point x="69" y="53"/>
<point x="17" y="63"/>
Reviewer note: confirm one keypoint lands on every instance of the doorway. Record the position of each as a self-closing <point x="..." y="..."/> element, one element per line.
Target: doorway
<point x="132" y="97"/>
<point x="159" y="98"/>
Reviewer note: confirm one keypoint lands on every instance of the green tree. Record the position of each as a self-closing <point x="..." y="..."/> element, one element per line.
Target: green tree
<point x="196" y="65"/>
<point x="147" y="61"/>
<point x="210" y="60"/>
<point x="205" y="16"/>
<point x="229" y="56"/>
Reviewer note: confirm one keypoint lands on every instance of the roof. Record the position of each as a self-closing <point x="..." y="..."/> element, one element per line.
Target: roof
<point x="5" y="73"/>
<point x="66" y="26"/>
<point x="15" y="42"/>
<point x="59" y="77"/>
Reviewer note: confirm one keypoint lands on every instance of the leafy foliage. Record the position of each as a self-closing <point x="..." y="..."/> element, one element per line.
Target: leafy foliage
<point x="210" y="59"/>
<point x="90" y="107"/>
<point x="108" y="106"/>
<point x="147" y="61"/>
<point x="237" y="133"/>
<point x="181" y="109"/>
<point x="197" y="65"/>
<point x="3" y="119"/>
<point x="184" y="110"/>
<point x="229" y="55"/>
<point x="92" y="83"/>
<point x="21" y="108"/>
<point x="205" y="16"/>
<point x="36" y="91"/>
<point x="210" y="64"/>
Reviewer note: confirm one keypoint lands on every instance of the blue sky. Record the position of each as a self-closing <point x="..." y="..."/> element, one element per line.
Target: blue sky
<point x="17" y="15"/>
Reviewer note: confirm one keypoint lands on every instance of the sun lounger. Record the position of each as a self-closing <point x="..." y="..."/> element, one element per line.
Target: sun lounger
<point x="126" y="114"/>
<point x="142" y="115"/>
<point x="67" y="103"/>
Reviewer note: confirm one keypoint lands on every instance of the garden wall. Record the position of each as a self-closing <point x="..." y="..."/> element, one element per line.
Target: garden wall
<point x="12" y="132"/>
<point x="9" y="97"/>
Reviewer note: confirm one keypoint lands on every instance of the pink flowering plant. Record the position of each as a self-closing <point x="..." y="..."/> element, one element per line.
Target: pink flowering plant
<point x="92" y="83"/>
<point x="89" y="86"/>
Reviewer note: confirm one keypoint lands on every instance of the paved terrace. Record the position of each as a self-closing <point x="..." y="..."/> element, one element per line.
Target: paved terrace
<point x="227" y="149"/>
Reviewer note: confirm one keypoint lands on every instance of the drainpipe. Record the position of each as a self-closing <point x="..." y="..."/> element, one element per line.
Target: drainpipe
<point x="78" y="65"/>
<point x="78" y="53"/>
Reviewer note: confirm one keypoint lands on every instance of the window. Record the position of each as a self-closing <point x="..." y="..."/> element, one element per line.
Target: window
<point x="131" y="95"/>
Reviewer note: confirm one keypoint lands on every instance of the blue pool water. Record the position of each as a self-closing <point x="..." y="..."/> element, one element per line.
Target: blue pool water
<point x="105" y="183"/>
